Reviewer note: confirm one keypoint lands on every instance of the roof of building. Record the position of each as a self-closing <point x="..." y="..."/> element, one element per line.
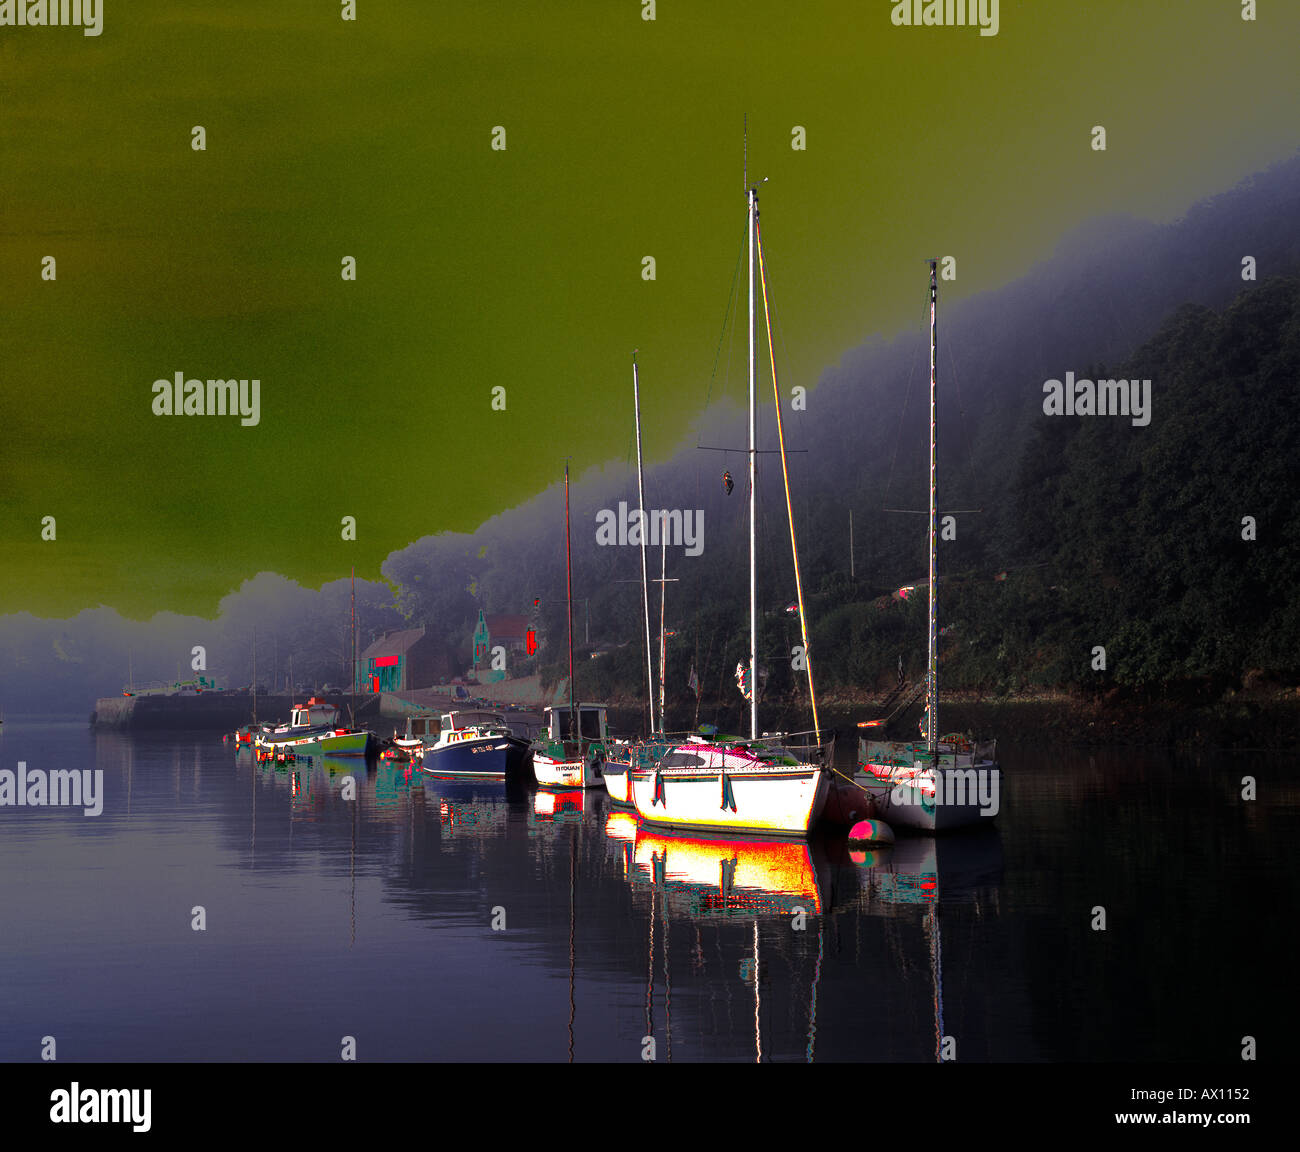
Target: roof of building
<point x="393" y="643"/>
<point x="507" y="627"/>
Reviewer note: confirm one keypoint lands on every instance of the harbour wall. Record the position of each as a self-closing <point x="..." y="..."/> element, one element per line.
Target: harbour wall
<point x="214" y="711"/>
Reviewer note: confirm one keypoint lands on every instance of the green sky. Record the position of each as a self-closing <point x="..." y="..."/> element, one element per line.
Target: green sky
<point x="521" y="267"/>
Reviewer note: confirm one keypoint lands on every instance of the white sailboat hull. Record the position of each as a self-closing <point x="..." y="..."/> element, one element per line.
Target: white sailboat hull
<point x="758" y="797"/>
<point x="618" y="784"/>
<point x="939" y="800"/>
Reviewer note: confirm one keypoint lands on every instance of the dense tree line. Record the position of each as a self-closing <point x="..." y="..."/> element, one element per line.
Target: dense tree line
<point x="1175" y="547"/>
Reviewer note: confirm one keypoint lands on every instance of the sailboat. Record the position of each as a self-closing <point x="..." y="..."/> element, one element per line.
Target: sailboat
<point x="622" y="757"/>
<point x="571" y="753"/>
<point x="768" y="785"/>
<point x="939" y="783"/>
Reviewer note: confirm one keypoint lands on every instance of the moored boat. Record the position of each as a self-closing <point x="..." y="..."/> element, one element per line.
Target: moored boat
<point x="474" y="744"/>
<point x="572" y="755"/>
<point x="571" y="752"/>
<point x="313" y="730"/>
<point x="421" y="733"/>
<point x="753" y="786"/>
<point x="940" y="782"/>
<point x="774" y="785"/>
<point x="621" y="757"/>
<point x="954" y="787"/>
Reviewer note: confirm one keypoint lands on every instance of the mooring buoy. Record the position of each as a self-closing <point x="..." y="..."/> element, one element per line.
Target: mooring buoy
<point x="871" y="832"/>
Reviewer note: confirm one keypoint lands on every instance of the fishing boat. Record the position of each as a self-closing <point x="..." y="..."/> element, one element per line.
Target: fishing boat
<point x="313" y="730"/>
<point x="767" y="784"/>
<point x="572" y="755"/>
<point x="473" y="744"/>
<point x="938" y="783"/>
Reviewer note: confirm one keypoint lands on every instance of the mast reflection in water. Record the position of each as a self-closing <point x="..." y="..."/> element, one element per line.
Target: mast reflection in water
<point x="452" y="920"/>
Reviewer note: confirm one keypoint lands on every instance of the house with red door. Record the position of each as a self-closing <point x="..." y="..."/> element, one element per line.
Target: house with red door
<point x="401" y="661"/>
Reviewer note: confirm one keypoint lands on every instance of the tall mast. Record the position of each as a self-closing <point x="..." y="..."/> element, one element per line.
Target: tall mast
<point x="663" y="604"/>
<point x="753" y="483"/>
<point x="785" y="476"/>
<point x="645" y="579"/>
<point x="352" y="718"/>
<point x="932" y="688"/>
<point x="575" y="728"/>
<point x="254" y="673"/>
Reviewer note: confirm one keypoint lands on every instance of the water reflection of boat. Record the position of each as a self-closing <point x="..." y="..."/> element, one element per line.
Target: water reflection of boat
<point x="472" y="819"/>
<point x="916" y="869"/>
<point x="733" y="881"/>
<point x="467" y="788"/>
<point x="573" y="804"/>
<point x="621" y="826"/>
<point x="926" y="873"/>
<point x="718" y="876"/>
<point x="316" y="778"/>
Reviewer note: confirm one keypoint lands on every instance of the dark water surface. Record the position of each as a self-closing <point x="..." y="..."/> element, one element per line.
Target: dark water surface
<point x="373" y="918"/>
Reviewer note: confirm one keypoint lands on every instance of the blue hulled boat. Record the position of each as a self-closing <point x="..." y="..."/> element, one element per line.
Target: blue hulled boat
<point x="478" y="745"/>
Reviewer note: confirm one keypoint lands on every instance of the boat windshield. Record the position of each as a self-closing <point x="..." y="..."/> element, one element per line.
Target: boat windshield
<point x="461" y="720"/>
<point x="592" y="721"/>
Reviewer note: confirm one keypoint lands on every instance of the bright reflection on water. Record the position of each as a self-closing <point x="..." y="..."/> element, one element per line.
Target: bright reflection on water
<point x="374" y="919"/>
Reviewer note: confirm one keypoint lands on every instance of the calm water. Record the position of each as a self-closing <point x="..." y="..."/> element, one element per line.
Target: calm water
<point x="328" y="918"/>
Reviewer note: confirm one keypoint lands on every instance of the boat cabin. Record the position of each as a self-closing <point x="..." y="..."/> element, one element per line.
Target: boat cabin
<point x="313" y="714"/>
<point x="422" y="727"/>
<point x="592" y="721"/>
<point x="459" y="721"/>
